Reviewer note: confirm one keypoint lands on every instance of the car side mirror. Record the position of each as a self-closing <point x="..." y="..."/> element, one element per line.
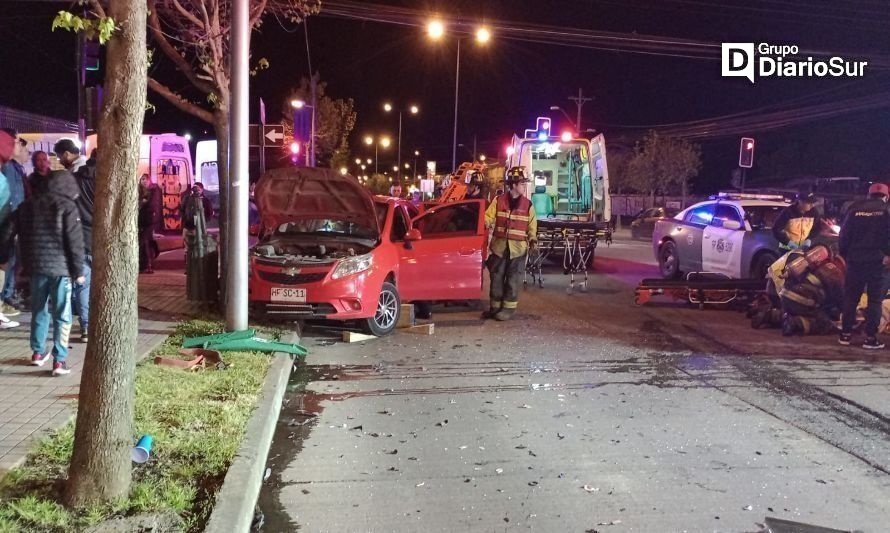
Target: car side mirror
<point x="732" y="224"/>
<point x="413" y="235"/>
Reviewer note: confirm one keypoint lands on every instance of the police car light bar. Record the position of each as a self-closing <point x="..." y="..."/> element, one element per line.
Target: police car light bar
<point x="732" y="195"/>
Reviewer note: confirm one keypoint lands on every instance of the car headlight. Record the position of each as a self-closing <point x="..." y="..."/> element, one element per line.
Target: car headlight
<point x="352" y="265"/>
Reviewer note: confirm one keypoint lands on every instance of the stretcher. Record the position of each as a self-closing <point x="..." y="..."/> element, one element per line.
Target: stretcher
<point x="701" y="288"/>
<point x="575" y="240"/>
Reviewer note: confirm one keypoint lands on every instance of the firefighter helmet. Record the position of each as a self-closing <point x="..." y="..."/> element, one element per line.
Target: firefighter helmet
<point x="516" y="175"/>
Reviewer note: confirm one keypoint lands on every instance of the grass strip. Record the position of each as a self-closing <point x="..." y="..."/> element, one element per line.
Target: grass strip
<point x="197" y="420"/>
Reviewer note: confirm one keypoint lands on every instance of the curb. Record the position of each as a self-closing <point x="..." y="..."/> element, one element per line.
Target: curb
<point x="234" y="507"/>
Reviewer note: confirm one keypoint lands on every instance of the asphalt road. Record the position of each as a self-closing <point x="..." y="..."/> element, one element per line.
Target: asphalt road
<point x="585" y="413"/>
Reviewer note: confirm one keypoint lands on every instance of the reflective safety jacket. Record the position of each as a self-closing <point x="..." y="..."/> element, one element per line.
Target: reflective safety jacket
<point x="792" y="226"/>
<point x="514" y="228"/>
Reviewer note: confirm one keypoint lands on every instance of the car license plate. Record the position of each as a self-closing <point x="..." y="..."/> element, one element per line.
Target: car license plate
<point x="285" y="294"/>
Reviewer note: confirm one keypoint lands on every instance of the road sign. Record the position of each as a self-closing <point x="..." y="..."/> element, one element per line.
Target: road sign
<point x="273" y="135"/>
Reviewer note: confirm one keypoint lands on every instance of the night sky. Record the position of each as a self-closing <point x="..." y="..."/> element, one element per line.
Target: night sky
<point x="506" y="84"/>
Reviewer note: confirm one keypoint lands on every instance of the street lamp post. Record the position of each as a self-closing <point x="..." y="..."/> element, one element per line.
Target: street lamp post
<point x="436" y="30"/>
<point x="300" y="104"/>
<point x="369" y="140"/>
<point x="413" y="110"/>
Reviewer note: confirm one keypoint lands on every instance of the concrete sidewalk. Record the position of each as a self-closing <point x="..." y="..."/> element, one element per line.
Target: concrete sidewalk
<point x="33" y="403"/>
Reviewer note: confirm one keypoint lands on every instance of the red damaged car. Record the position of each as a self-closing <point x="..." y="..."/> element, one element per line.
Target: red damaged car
<point x="329" y="249"/>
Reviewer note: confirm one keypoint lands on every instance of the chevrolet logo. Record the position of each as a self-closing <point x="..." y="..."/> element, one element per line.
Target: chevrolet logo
<point x="292" y="271"/>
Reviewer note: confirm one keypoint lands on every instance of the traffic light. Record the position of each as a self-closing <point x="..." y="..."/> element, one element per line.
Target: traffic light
<point x="294" y="152"/>
<point x="746" y="153"/>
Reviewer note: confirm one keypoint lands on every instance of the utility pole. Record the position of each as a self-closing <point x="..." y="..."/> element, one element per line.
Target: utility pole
<point x="236" y="248"/>
<point x="579" y="100"/>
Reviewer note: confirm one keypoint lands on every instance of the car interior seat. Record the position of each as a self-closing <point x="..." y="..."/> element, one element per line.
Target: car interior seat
<point x="542" y="201"/>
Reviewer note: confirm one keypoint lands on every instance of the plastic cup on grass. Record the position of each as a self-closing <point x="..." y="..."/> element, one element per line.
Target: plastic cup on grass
<point x="141" y="452"/>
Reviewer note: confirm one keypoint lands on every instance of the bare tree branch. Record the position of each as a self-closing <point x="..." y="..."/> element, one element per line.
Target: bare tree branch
<point x="168" y="49"/>
<point x="258" y="14"/>
<point x="179" y="102"/>
<point x="187" y="14"/>
<point x="97" y="8"/>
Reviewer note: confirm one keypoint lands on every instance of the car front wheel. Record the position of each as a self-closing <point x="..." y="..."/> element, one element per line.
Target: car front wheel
<point x="760" y="265"/>
<point x="668" y="260"/>
<point x="387" y="314"/>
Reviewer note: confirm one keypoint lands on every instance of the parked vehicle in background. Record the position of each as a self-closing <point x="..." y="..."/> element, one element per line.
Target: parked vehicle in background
<point x="643" y="224"/>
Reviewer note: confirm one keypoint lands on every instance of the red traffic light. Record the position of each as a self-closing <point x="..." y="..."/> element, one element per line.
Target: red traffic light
<point x="746" y="153"/>
<point x="295" y="148"/>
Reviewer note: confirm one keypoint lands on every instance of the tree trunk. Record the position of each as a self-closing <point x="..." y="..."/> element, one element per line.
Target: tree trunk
<point x="684" y="191"/>
<point x="100" y="469"/>
<point x="221" y="125"/>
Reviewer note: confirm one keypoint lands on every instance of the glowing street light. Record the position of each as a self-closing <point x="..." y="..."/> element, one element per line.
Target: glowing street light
<point x="343" y="170"/>
<point x="482" y="157"/>
<point x="358" y="161"/>
<point x="482" y="36"/>
<point x="435" y="29"/>
<point x="380" y="141"/>
<point x="413" y="110"/>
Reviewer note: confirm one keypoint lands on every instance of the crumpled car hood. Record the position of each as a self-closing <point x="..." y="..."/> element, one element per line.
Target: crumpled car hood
<point x="300" y="193"/>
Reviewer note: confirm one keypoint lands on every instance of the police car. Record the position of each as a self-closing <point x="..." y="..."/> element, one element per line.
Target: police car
<point x="730" y="234"/>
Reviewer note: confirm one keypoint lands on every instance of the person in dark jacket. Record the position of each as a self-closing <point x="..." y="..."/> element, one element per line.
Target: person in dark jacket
<point x="40" y="162"/>
<point x="86" y="182"/>
<point x="865" y="246"/>
<point x="187" y="205"/>
<point x="798" y="224"/>
<point x="51" y="239"/>
<point x="149" y="212"/>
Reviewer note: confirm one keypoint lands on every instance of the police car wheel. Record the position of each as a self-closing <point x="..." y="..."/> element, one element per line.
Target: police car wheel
<point x="760" y="265"/>
<point x="668" y="260"/>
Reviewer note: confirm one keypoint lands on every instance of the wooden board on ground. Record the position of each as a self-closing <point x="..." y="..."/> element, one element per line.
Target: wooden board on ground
<point x="423" y="329"/>
<point x="406" y="317"/>
<point x="351" y="336"/>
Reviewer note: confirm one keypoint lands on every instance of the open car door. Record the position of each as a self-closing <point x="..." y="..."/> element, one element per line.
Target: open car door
<point x="446" y="262"/>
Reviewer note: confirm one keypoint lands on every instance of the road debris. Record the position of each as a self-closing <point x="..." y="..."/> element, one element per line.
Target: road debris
<point x="588" y="488"/>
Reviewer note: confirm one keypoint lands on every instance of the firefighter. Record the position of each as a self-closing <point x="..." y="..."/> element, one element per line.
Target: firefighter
<point x="865" y="245"/>
<point x="798" y="224"/>
<point x="515" y="225"/>
<point x="474" y="186"/>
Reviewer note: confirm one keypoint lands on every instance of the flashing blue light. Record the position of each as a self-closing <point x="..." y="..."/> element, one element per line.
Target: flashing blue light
<point x="542" y="136"/>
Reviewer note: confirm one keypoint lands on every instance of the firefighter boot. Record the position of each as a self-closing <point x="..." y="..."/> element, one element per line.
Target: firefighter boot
<point x="504" y="314"/>
<point x="492" y="311"/>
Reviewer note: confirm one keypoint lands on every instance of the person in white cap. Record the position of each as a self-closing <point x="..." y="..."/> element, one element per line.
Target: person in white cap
<point x="865" y="246"/>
